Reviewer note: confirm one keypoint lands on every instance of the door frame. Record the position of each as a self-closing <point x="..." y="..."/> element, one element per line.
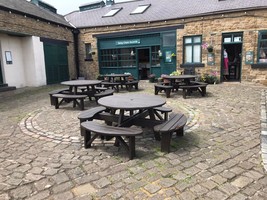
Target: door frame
<point x="231" y="38"/>
<point x="137" y="60"/>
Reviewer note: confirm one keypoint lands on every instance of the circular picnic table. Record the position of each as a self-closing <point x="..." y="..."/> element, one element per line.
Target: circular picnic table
<point x="139" y="106"/>
<point x="186" y="78"/>
<point x="131" y="101"/>
<point x="81" y="83"/>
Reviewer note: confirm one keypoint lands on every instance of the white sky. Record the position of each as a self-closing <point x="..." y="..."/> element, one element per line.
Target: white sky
<point x="66" y="6"/>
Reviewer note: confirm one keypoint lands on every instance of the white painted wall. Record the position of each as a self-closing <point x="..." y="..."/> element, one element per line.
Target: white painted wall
<point x="13" y="74"/>
<point x="28" y="67"/>
<point x="34" y="61"/>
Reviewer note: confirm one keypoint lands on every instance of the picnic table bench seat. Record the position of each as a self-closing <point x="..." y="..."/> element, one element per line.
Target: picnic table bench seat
<point x="105" y="130"/>
<point x="161" y="87"/>
<point x="163" y="110"/>
<point x="130" y="84"/>
<point x="100" y="89"/>
<point x="58" y="91"/>
<point x="175" y="123"/>
<point x="90" y="114"/>
<point x="112" y="85"/>
<point x="200" y="86"/>
<point x="105" y="93"/>
<point x="71" y="97"/>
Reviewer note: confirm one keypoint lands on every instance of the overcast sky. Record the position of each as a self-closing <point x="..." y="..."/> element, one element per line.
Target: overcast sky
<point x="66" y="6"/>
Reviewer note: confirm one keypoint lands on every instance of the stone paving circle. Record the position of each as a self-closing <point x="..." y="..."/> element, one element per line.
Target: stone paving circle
<point x="223" y="154"/>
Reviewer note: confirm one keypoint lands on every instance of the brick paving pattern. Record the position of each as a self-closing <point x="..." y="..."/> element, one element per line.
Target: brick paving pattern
<point x="222" y="155"/>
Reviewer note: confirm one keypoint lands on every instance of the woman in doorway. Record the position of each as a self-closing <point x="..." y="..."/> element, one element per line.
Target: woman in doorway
<point x="226" y="64"/>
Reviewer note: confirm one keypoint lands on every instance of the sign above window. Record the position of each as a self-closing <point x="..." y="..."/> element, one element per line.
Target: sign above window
<point x="128" y="42"/>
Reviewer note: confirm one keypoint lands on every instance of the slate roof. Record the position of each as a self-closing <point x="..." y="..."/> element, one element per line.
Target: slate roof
<point x="25" y="7"/>
<point x="159" y="10"/>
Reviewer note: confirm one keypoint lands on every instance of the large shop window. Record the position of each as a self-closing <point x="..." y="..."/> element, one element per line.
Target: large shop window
<point x="192" y="49"/>
<point x="118" y="57"/>
<point x="262" y="54"/>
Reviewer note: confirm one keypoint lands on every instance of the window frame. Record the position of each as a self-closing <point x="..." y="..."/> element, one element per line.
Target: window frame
<point x="192" y="44"/>
<point x="134" y="12"/>
<point x="112" y="12"/>
<point x="88" y="52"/>
<point x="263" y="32"/>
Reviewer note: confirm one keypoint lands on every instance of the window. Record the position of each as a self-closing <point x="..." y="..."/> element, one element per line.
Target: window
<point x="112" y="12"/>
<point x="118" y="57"/>
<point x="140" y="9"/>
<point x="192" y="49"/>
<point x="169" y="39"/>
<point x="88" y="51"/>
<point x="262" y="47"/>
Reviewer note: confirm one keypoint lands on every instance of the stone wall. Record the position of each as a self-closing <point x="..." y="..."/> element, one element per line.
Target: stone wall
<point x="22" y="24"/>
<point x="210" y="27"/>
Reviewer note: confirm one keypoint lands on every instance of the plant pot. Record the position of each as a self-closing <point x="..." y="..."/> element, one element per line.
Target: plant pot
<point x="151" y="79"/>
<point x="210" y="50"/>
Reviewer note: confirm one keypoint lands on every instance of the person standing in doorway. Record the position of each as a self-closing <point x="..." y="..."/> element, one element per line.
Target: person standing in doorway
<point x="226" y="64"/>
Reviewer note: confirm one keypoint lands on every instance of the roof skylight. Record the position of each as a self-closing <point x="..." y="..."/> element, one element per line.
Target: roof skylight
<point x="140" y="9"/>
<point x="112" y="12"/>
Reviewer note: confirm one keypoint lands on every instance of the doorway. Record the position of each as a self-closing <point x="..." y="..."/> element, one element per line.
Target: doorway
<point x="231" y="57"/>
<point x="143" y="63"/>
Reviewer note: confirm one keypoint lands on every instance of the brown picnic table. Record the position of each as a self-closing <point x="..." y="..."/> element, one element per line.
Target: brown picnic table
<point x="132" y="109"/>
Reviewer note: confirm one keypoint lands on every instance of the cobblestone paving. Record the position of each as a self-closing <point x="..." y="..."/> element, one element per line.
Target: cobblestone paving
<point x="220" y="156"/>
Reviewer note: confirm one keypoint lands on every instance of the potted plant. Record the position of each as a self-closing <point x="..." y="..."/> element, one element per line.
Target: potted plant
<point x="210" y="48"/>
<point x="207" y="46"/>
<point x="165" y="80"/>
<point x="151" y="78"/>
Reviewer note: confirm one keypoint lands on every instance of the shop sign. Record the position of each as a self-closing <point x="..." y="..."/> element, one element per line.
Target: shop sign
<point x="211" y="59"/>
<point x="249" y="57"/>
<point x="128" y="42"/>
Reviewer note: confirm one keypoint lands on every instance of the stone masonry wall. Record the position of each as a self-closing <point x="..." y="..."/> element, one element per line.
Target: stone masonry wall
<point x="17" y="23"/>
<point x="210" y="27"/>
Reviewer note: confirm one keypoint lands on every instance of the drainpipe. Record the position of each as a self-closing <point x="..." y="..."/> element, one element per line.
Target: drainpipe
<point x="76" y="33"/>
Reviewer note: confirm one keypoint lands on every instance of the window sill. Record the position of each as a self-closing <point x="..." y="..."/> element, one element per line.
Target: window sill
<point x="188" y="65"/>
<point x="259" y="65"/>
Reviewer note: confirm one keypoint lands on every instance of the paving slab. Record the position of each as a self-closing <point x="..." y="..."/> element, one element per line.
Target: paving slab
<point x="221" y="156"/>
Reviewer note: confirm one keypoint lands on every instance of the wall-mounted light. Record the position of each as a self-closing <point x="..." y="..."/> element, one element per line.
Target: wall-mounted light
<point x="132" y="53"/>
<point x="160" y="53"/>
<point x="114" y="57"/>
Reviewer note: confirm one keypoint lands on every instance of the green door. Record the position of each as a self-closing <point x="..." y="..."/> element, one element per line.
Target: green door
<point x="56" y="63"/>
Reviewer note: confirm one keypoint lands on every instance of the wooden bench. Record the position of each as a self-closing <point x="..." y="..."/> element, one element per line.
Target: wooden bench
<point x="90" y="114"/>
<point x="58" y="91"/>
<point x="188" y="89"/>
<point x="130" y="84"/>
<point x="70" y="97"/>
<point x="167" y="89"/>
<point x="162" y="110"/>
<point x="112" y="85"/>
<point x="176" y="124"/>
<point x="105" y="93"/>
<point x="105" y="130"/>
<point x="100" y="89"/>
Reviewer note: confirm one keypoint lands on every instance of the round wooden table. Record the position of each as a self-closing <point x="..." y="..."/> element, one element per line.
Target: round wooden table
<point x="81" y="83"/>
<point x="185" y="78"/>
<point x="131" y="101"/>
<point x="139" y="106"/>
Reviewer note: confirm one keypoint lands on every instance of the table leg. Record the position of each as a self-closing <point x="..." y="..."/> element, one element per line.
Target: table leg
<point x="152" y="116"/>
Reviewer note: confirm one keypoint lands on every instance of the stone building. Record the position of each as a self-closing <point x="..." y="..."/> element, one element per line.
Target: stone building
<point x="223" y="37"/>
<point x="143" y="37"/>
<point x="36" y="44"/>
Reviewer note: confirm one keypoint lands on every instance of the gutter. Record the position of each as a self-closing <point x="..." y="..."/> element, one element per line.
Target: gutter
<point x="76" y="33"/>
